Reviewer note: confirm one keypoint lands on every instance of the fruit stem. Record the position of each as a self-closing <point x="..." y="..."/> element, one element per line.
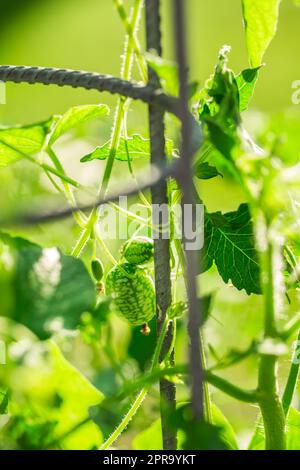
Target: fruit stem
<point x="142" y="395"/>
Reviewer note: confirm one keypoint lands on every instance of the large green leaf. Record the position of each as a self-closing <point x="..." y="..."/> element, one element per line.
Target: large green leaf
<point x="17" y="141"/>
<point x="133" y="147"/>
<point x="150" y="438"/>
<point x="75" y="116"/>
<point x="229" y="243"/>
<point x="261" y="18"/>
<point x="48" y="286"/>
<point x="50" y="401"/>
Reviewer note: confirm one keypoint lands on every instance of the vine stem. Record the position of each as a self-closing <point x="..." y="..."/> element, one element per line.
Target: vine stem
<point x="79" y="217"/>
<point x="116" y="131"/>
<point x="292" y="380"/>
<point x="143" y="393"/>
<point x="269" y="401"/>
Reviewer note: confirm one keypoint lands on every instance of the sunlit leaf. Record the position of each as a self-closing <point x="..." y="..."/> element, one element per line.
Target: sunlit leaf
<point x="150" y="438"/>
<point x="167" y="71"/>
<point x="261" y="18"/>
<point x="75" y="116"/>
<point x="133" y="147"/>
<point x="246" y="82"/>
<point x="229" y="243"/>
<point x="16" y="141"/>
<point x="51" y="401"/>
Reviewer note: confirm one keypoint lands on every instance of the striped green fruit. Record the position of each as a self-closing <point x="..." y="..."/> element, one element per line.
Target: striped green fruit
<point x="138" y="250"/>
<point x="132" y="291"/>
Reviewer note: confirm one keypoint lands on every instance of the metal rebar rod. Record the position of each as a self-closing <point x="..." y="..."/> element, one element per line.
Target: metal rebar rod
<point x="88" y="81"/>
<point x="162" y="244"/>
<point x="186" y="182"/>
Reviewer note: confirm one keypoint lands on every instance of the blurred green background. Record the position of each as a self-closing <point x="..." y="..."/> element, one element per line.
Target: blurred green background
<point x="89" y="36"/>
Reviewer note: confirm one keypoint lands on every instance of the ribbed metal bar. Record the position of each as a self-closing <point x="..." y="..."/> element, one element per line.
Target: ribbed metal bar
<point x="186" y="181"/>
<point x="161" y="244"/>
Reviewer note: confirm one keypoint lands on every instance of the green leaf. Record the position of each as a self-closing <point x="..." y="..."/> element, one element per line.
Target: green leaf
<point x="195" y="435"/>
<point x="3" y="403"/>
<point x="226" y="432"/>
<point x="220" y="107"/>
<point x="229" y="243"/>
<point x="222" y="139"/>
<point x="246" y="82"/>
<point x="292" y="433"/>
<point x="167" y="71"/>
<point x="75" y="116"/>
<point x="204" y="171"/>
<point x="205" y="303"/>
<point x="50" y="287"/>
<point x="150" y="438"/>
<point x="52" y="393"/>
<point x="293" y="430"/>
<point x="261" y="18"/>
<point x="134" y="147"/>
<point x="16" y="141"/>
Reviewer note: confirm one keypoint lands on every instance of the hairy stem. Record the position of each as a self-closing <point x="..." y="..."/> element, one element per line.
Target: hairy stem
<point x="117" y="128"/>
<point x="269" y="402"/>
<point x="292" y="379"/>
<point x="142" y="395"/>
<point x="79" y="217"/>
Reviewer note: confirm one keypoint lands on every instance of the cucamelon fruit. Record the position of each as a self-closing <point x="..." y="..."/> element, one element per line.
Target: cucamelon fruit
<point x="132" y="292"/>
<point x="97" y="269"/>
<point x="138" y="250"/>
